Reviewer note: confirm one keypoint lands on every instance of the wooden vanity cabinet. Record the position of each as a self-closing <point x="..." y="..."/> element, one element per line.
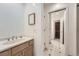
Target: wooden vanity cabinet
<point x="24" y="49"/>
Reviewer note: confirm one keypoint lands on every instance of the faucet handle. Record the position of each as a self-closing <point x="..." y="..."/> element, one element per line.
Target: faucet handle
<point x="20" y="36"/>
<point x="8" y="39"/>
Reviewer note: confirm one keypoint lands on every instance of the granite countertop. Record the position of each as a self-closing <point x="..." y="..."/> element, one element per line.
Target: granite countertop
<point x="9" y="44"/>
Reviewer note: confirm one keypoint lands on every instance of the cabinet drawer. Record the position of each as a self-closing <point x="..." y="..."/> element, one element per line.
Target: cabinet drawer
<point x="6" y="53"/>
<point x="29" y="51"/>
<point x="18" y="48"/>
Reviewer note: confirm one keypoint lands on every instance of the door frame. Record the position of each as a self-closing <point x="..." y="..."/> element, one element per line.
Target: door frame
<point x="66" y="27"/>
<point x="50" y="17"/>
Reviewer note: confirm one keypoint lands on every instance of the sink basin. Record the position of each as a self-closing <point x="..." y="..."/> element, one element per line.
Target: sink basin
<point x="10" y="42"/>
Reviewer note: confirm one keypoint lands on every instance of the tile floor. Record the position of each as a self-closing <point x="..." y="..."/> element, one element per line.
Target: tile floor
<point x="55" y="49"/>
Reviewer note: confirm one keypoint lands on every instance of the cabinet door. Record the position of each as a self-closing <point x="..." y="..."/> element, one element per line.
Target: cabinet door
<point x="25" y="52"/>
<point x="6" y="53"/>
<point x="30" y="51"/>
<point x="18" y="48"/>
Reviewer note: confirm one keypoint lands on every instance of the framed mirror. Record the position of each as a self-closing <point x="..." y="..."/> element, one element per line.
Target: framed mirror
<point x="31" y="19"/>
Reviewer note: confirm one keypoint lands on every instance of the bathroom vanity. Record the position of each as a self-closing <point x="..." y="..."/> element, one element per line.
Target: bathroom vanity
<point x="21" y="47"/>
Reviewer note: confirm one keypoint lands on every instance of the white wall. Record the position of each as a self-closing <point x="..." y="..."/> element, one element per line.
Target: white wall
<point x="11" y="19"/>
<point x="35" y="31"/>
<point x="70" y="25"/>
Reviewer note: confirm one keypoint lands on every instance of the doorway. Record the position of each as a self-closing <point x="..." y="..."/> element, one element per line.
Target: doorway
<point x="57" y="47"/>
